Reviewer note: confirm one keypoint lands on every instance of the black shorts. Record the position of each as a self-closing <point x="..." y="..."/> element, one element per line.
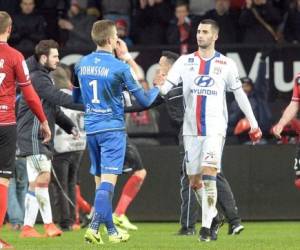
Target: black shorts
<point x="132" y="157"/>
<point x="8" y="137"/>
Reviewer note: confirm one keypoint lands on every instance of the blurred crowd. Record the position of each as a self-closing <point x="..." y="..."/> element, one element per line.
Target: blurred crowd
<point x="153" y="22"/>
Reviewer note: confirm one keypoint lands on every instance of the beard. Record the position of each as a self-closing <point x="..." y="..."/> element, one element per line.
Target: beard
<point x="49" y="67"/>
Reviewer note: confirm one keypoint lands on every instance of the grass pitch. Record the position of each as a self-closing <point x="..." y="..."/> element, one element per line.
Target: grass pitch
<point x="257" y="235"/>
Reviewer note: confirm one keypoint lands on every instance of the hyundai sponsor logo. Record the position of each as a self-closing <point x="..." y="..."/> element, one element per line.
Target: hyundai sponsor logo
<point x="204" y="81"/>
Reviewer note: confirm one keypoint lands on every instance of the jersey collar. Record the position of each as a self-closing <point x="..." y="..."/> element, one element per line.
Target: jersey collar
<point x="103" y="52"/>
<point x="216" y="54"/>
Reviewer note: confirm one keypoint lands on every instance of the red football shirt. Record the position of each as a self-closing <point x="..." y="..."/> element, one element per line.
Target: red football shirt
<point x="13" y="71"/>
<point x="296" y="90"/>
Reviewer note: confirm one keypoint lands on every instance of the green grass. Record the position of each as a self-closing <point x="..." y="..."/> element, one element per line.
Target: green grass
<point x="257" y="235"/>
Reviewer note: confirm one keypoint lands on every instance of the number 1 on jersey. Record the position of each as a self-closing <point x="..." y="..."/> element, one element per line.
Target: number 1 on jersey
<point x="94" y="84"/>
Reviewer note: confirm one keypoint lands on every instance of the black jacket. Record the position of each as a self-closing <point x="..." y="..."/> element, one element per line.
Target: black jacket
<point x="29" y="137"/>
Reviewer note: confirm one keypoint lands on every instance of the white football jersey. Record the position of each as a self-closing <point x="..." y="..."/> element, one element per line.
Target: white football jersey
<point x="205" y="82"/>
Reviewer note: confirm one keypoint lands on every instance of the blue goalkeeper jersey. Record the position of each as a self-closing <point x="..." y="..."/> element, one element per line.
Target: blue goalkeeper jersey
<point x="102" y="78"/>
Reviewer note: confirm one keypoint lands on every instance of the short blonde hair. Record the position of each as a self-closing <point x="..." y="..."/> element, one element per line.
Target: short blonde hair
<point x="101" y="31"/>
<point x="5" y="21"/>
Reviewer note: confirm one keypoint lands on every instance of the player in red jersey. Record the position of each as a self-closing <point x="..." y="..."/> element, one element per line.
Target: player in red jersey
<point x="13" y="72"/>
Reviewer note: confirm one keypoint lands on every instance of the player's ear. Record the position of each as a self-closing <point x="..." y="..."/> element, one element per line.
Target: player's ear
<point x="216" y="36"/>
<point x="9" y="29"/>
<point x="43" y="59"/>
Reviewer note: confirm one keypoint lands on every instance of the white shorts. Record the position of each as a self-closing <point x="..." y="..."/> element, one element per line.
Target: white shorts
<point x="202" y="151"/>
<point x="36" y="164"/>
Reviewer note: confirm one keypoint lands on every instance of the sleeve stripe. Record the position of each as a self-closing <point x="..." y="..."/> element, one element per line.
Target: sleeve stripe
<point x="177" y="87"/>
<point x="22" y="84"/>
<point x="175" y="97"/>
<point x="133" y="90"/>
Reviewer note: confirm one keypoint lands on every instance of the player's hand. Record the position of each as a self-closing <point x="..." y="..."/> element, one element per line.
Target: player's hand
<point x="46" y="132"/>
<point x="277" y="129"/>
<point x="122" y="50"/>
<point x="255" y="135"/>
<point x="75" y="133"/>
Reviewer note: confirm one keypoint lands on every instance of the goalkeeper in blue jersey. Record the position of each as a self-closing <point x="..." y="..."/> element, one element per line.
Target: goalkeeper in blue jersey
<point x="101" y="80"/>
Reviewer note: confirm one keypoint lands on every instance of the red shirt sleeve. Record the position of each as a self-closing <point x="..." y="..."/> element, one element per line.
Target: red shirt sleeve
<point x="296" y="90"/>
<point x="22" y="72"/>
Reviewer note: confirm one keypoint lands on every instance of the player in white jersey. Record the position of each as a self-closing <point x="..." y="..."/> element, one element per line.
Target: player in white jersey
<point x="206" y="75"/>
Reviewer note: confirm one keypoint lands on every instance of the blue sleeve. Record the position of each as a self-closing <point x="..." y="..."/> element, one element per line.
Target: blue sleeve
<point x="77" y="97"/>
<point x="145" y="98"/>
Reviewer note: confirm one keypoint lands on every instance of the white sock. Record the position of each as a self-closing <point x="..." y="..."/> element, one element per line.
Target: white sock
<point x="209" y="200"/>
<point x="31" y="209"/>
<point x="42" y="196"/>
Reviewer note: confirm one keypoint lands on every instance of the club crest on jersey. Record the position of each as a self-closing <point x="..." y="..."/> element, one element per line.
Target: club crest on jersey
<point x="97" y="60"/>
<point x="204" y="81"/>
<point x="190" y="61"/>
<point x="217" y="70"/>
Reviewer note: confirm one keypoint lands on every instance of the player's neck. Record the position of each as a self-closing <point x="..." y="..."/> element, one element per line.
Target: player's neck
<point x="105" y="48"/>
<point x="206" y="53"/>
<point x="3" y="38"/>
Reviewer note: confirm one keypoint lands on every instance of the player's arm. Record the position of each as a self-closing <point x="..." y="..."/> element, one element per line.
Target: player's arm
<point x="234" y="84"/>
<point x="48" y="92"/>
<point x="31" y="97"/>
<point x="289" y="113"/>
<point x="241" y="98"/>
<point x="173" y="78"/>
<point x="136" y="107"/>
<point x="76" y="92"/>
<point x="291" y="110"/>
<point x="244" y="104"/>
<point x="144" y="97"/>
